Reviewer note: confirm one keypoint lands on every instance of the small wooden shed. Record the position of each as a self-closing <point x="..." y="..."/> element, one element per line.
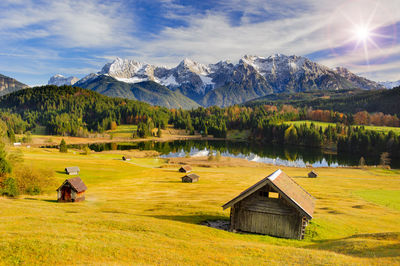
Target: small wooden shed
<point x="73" y="170"/>
<point x="126" y="158"/>
<point x="190" y="178"/>
<point x="185" y="169"/>
<point x="72" y="190"/>
<point x="312" y="174"/>
<point x="275" y="206"/>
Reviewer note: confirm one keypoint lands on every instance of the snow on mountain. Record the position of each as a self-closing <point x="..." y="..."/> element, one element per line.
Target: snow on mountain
<point x="390" y="84"/>
<point x="60" y="80"/>
<point x="251" y="77"/>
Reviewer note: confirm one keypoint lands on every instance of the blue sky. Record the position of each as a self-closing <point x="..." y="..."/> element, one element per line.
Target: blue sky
<point x="40" y="38"/>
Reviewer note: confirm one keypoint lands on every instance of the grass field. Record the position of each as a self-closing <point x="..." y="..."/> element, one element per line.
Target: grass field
<point x="140" y="213"/>
<point x="325" y="124"/>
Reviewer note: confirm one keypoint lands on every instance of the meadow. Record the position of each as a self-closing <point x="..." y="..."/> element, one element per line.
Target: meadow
<point x="138" y="212"/>
<point x="326" y="124"/>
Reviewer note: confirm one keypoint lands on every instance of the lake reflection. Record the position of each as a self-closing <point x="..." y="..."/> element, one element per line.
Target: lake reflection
<point x="271" y="154"/>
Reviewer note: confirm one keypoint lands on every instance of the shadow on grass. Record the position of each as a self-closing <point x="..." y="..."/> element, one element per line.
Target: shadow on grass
<point x="191" y="219"/>
<point x="177" y="181"/>
<point x="61" y="172"/>
<point x="46" y="200"/>
<point x="363" y="245"/>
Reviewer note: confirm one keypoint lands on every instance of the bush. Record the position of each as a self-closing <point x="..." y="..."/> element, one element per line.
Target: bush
<point x="10" y="188"/>
<point x="5" y="166"/>
<point x="86" y="151"/>
<point x="63" y="146"/>
<point x="33" y="181"/>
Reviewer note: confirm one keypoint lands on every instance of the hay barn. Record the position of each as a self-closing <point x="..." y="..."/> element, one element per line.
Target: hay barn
<point x="73" y="170"/>
<point x="312" y="174"/>
<point x="72" y="190"/>
<point x="185" y="169"/>
<point x="190" y="178"/>
<point x="275" y="206"/>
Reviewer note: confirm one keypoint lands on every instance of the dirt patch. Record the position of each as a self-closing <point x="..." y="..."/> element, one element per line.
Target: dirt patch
<point x="358" y="206"/>
<point x="218" y="224"/>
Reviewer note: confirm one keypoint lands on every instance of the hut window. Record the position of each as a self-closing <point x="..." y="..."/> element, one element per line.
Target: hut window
<point x="273" y="195"/>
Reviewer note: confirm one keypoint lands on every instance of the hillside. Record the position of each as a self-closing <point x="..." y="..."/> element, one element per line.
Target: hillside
<point x="139" y="212"/>
<point x="9" y="85"/>
<point x="347" y="101"/>
<point x="75" y="111"/>
<point x="146" y="91"/>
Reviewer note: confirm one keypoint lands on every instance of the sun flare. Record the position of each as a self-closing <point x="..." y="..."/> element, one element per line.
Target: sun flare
<point x="362" y="33"/>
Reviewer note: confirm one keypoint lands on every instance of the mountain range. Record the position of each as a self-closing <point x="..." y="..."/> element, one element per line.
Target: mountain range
<point x="224" y="83"/>
<point x="9" y="85"/>
<point x="191" y="84"/>
<point x="390" y="84"/>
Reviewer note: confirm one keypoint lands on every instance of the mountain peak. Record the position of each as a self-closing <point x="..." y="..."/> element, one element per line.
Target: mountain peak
<point x="60" y="80"/>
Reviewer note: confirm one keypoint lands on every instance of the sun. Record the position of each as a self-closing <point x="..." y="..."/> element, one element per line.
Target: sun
<point x="362" y="33"/>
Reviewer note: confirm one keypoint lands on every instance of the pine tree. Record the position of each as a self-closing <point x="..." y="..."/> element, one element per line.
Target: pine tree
<point x="63" y="146"/>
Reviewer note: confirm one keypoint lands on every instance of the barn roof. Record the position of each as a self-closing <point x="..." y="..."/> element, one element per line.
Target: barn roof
<point x="192" y="176"/>
<point x="76" y="183"/>
<point x="186" y="168"/>
<point x="287" y="187"/>
<point x="313" y="172"/>
<point x="72" y="169"/>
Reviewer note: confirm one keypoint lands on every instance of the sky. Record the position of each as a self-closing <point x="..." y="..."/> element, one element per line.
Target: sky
<point x="41" y="38"/>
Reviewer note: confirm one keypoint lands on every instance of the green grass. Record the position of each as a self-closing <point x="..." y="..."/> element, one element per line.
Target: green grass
<point x="123" y="131"/>
<point x="325" y="124"/>
<point x="387" y="198"/>
<point x="139" y="213"/>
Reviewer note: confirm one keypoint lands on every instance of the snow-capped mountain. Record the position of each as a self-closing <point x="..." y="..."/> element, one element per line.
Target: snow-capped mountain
<point x="60" y="80"/>
<point x="390" y="84"/>
<point x="226" y="83"/>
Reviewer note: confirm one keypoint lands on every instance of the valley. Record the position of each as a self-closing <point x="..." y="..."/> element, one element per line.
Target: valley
<point x="140" y="211"/>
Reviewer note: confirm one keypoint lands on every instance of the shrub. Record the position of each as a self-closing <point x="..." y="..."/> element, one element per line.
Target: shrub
<point x="10" y="188"/>
<point x="63" y="146"/>
<point x="86" y="150"/>
<point x="5" y="166"/>
<point x="33" y="181"/>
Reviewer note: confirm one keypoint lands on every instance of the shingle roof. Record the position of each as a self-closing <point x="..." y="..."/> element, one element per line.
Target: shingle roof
<point x="186" y="168"/>
<point x="287" y="187"/>
<point x="72" y="169"/>
<point x="192" y="176"/>
<point x="76" y="183"/>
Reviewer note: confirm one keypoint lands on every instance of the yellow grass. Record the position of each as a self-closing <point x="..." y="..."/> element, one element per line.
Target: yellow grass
<point x="138" y="212"/>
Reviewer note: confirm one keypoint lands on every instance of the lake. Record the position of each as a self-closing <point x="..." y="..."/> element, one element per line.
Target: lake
<point x="272" y="154"/>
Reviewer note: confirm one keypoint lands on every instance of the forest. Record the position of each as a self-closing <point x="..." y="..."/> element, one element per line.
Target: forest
<point x="72" y="111"/>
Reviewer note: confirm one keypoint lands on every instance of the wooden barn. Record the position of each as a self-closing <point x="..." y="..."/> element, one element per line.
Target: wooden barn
<point x="73" y="170"/>
<point x="312" y="174"/>
<point x="72" y="190"/>
<point x="190" y="178"/>
<point x="185" y="169"/>
<point x="275" y="206"/>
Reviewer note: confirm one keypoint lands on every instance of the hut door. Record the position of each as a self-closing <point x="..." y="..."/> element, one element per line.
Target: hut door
<point x="66" y="194"/>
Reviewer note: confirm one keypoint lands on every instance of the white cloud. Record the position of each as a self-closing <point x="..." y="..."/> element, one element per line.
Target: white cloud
<point x="69" y="23"/>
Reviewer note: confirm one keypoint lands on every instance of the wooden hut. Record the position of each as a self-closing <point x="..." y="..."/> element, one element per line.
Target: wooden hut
<point x="73" y="170"/>
<point x="185" y="169"/>
<point x="312" y="174"/>
<point x="72" y="190"/>
<point x="126" y="158"/>
<point x="190" y="178"/>
<point x="275" y="206"/>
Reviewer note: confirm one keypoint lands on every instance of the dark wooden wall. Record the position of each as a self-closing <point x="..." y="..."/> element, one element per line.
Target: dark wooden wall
<point x="260" y="214"/>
